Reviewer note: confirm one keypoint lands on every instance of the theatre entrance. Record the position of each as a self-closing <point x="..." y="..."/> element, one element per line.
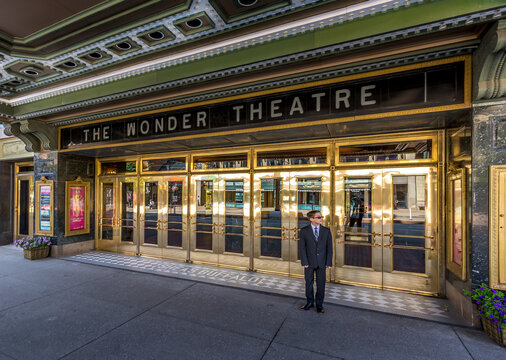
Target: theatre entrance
<point x="243" y="208"/>
<point x="387" y="228"/>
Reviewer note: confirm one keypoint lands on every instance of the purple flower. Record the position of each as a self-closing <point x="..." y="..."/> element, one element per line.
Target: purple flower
<point x="493" y="291"/>
<point x="478" y="302"/>
<point x="499" y="328"/>
<point x="491" y="316"/>
<point x="479" y="317"/>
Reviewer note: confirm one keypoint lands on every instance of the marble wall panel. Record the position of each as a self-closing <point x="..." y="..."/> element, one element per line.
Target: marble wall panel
<point x="488" y="149"/>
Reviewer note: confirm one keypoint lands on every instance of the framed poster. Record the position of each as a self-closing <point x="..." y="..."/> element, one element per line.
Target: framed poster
<point x="456" y="223"/>
<point x="77" y="207"/>
<point x="44" y="207"/>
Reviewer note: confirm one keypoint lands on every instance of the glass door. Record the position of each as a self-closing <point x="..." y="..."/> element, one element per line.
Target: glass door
<point x="163" y="213"/>
<point x="311" y="191"/>
<point x="220" y="220"/>
<point x="359" y="213"/>
<point x="24" y="206"/>
<point x="118" y="215"/>
<point x="409" y="229"/>
<point x="281" y="203"/>
<point x="386" y="228"/>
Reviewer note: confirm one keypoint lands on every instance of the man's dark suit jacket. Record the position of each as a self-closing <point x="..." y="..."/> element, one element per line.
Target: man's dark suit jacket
<point x="312" y="253"/>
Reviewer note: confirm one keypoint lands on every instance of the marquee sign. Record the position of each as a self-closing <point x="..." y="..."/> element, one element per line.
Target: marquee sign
<point x="426" y="87"/>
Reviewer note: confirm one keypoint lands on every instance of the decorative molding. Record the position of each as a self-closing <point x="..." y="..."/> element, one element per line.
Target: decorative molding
<point x="35" y="134"/>
<point x="32" y="143"/>
<point x="489" y="73"/>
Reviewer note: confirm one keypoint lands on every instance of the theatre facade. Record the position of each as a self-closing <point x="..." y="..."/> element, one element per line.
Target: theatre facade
<point x="214" y="154"/>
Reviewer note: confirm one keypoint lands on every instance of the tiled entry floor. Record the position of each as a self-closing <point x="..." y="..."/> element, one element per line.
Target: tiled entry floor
<point x="392" y="302"/>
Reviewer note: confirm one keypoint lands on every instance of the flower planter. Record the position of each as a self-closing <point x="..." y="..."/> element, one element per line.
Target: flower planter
<point x="491" y="330"/>
<point x="36" y="253"/>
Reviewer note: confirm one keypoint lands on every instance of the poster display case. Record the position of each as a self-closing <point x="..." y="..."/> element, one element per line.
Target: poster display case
<point x="44" y="207"/>
<point x="77" y="207"/>
<point x="456" y="253"/>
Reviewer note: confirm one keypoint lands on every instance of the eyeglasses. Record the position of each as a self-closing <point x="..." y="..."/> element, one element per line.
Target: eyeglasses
<point x="318" y="217"/>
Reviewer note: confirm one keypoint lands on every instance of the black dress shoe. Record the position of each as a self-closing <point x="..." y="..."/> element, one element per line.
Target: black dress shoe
<point x="307" y="306"/>
<point x="320" y="310"/>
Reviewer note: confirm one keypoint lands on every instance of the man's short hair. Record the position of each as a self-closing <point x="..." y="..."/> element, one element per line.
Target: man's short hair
<point x="312" y="213"/>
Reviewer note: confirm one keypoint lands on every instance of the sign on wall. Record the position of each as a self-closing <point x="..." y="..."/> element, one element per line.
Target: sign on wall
<point x="44" y="207"/>
<point x="418" y="88"/>
<point x="77" y="207"/>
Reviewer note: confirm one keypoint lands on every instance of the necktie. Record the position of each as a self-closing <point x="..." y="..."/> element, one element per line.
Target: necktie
<point x="316" y="234"/>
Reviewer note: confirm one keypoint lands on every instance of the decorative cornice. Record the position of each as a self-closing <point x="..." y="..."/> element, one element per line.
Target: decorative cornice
<point x="270" y="85"/>
<point x="298" y="27"/>
<point x="489" y="73"/>
<point x="36" y="135"/>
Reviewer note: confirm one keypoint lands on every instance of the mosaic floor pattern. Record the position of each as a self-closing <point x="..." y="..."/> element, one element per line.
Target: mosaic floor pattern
<point x="392" y="302"/>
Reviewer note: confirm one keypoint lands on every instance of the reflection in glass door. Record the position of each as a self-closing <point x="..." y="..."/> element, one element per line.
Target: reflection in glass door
<point x="386" y="228"/>
<point x="118" y="215"/>
<point x="409" y="238"/>
<point x="220" y="213"/>
<point x="163" y="217"/>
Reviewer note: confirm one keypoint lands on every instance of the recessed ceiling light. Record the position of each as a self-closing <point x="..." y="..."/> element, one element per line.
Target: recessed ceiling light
<point x="15" y="82"/>
<point x="247" y="2"/>
<point x="194" y="23"/>
<point x="156" y="35"/>
<point x="95" y="55"/>
<point x="123" y="46"/>
<point x="70" y="64"/>
<point x="31" y="72"/>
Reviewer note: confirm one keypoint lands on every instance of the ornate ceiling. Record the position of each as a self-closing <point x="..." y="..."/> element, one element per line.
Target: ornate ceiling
<point x="59" y="60"/>
<point x="52" y="41"/>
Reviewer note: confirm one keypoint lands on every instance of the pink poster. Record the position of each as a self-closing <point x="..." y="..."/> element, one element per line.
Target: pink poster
<point x="77" y="207"/>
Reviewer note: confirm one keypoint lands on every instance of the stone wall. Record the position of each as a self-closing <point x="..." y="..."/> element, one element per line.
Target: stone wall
<point x="489" y="148"/>
<point x="61" y="168"/>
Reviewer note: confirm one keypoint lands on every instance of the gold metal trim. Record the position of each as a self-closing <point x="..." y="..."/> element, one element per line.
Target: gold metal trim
<point x="497" y="236"/>
<point x="455" y="175"/>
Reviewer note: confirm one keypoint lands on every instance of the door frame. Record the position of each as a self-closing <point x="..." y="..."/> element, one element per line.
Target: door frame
<point x="381" y="274"/>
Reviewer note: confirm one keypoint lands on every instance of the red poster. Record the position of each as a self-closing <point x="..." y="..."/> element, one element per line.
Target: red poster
<point x="77" y="207"/>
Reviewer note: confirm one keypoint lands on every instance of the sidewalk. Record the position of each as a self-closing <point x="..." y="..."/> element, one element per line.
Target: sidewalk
<point x="61" y="309"/>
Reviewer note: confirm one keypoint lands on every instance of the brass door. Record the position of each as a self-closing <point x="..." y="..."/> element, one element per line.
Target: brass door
<point x="281" y="202"/>
<point x="386" y="228"/>
<point x="220" y="220"/>
<point x="24" y="207"/>
<point x="118" y="215"/>
<point x="163" y="213"/>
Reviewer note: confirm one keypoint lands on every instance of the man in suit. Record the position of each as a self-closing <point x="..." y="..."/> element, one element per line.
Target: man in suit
<point x="315" y="244"/>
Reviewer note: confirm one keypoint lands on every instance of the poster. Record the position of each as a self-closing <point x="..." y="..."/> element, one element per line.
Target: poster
<point x="77" y="207"/>
<point x="45" y="208"/>
<point x="457" y="222"/>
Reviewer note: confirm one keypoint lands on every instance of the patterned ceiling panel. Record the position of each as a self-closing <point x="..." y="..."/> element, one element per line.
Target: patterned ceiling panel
<point x="221" y="26"/>
<point x="235" y="10"/>
<point x="187" y="21"/>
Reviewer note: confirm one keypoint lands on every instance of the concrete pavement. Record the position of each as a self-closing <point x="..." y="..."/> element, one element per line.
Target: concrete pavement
<point x="57" y="309"/>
